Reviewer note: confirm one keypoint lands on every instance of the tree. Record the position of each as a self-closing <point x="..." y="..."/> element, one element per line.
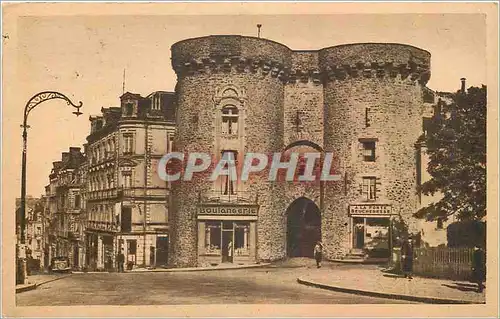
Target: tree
<point x="456" y="144"/>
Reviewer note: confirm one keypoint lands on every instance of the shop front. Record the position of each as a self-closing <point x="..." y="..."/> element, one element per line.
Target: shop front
<point x="227" y="234"/>
<point x="371" y="229"/>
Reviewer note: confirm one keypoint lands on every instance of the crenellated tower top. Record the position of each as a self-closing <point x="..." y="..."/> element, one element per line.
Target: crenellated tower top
<point x="236" y="53"/>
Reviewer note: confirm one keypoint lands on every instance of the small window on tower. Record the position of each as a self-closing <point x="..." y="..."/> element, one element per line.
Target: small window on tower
<point x="229" y="120"/>
<point x="369" y="188"/>
<point x="368" y="151"/>
<point x="439" y="223"/>
<point x="367" y="117"/>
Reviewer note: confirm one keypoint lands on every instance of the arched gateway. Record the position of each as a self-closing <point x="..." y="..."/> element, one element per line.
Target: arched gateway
<point x="303" y="227"/>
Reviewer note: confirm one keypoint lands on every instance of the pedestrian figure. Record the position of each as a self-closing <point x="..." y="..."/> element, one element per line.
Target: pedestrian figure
<point x="120" y="259"/>
<point x="318" y="253"/>
<point x="479" y="267"/>
<point x="230" y="251"/>
<point x="407" y="258"/>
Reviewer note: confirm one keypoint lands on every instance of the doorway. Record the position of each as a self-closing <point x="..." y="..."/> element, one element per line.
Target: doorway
<point x="359" y="233"/>
<point x="303" y="227"/>
<point x="161" y="251"/>
<point x="227" y="245"/>
<point x="76" y="255"/>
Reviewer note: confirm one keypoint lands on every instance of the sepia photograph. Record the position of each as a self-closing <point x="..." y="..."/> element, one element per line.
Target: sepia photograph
<point x="249" y="159"/>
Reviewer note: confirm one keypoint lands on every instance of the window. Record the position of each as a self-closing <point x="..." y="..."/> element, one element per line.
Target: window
<point x="38" y="244"/>
<point x="368" y="151"/>
<point x="39" y="230"/>
<point x="230" y="120"/>
<point x="369" y="188"/>
<point x="367" y="117"/>
<point x="241" y="231"/>
<point x="229" y="186"/>
<point x="131" y="246"/>
<point x="127" y="179"/>
<point x="126" y="220"/>
<point x="213" y="238"/>
<point x="129" y="109"/>
<point x="156" y="102"/>
<point x="77" y="201"/>
<point x="439" y="223"/>
<point x="128" y="143"/>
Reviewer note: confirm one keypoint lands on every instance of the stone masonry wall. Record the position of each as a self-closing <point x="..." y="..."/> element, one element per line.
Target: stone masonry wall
<point x="329" y="90"/>
<point x="197" y="87"/>
<point x="395" y="104"/>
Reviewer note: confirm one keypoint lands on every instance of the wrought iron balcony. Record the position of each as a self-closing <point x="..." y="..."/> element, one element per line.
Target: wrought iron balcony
<point x="229" y="197"/>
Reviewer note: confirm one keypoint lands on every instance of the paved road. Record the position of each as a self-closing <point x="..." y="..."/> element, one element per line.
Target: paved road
<point x="275" y="285"/>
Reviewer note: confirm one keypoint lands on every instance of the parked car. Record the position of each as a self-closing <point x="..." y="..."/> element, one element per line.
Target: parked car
<point x="60" y="264"/>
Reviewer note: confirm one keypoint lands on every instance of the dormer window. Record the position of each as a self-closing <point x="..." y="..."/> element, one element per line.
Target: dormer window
<point x="98" y="124"/>
<point x="129" y="109"/>
<point x="229" y="120"/>
<point x="156" y="103"/>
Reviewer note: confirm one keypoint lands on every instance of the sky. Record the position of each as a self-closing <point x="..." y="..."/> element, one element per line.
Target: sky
<point x="84" y="57"/>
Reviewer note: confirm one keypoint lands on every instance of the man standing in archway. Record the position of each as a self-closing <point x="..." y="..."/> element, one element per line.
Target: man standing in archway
<point x="318" y="253"/>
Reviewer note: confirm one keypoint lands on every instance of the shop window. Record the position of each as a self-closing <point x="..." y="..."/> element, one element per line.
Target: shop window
<point x="229" y="120"/>
<point x="213" y="238"/>
<point x="241" y="232"/>
<point x="369" y="190"/>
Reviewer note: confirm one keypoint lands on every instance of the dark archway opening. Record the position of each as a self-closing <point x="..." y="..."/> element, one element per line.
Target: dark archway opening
<point x="303" y="227"/>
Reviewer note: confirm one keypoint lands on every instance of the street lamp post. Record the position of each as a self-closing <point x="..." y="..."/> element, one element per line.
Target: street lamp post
<point x="30" y="105"/>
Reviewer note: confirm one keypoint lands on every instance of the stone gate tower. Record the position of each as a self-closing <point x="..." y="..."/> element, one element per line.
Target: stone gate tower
<point x="241" y="94"/>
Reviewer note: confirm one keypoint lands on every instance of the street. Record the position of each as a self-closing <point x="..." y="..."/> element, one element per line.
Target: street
<point x="273" y="284"/>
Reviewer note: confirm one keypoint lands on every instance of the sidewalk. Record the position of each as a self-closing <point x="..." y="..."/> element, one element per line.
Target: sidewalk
<point x="370" y="280"/>
<point x="33" y="281"/>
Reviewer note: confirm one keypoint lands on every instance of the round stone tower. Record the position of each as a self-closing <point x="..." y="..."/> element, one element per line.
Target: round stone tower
<point x="219" y="77"/>
<point x="373" y="106"/>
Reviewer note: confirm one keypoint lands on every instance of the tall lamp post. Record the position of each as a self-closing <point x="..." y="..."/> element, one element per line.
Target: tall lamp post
<point x="30" y="105"/>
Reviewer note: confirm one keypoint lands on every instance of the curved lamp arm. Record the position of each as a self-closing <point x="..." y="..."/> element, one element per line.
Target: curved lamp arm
<point x="45" y="96"/>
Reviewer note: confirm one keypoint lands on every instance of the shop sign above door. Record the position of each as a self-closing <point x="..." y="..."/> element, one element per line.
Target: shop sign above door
<point x="370" y="209"/>
<point x="236" y="210"/>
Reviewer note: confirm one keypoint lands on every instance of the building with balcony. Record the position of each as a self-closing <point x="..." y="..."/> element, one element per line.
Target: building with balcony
<point x="64" y="207"/>
<point x="35" y="232"/>
<point x="126" y="200"/>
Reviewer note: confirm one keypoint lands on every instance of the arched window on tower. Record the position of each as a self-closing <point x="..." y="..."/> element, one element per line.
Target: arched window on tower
<point x="229" y="120"/>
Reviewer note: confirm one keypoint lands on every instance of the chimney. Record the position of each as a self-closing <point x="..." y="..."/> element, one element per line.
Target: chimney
<point x="65" y="157"/>
<point x="74" y="150"/>
<point x="462" y="89"/>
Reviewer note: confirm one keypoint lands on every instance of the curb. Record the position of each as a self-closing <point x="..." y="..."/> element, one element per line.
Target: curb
<point x="193" y="269"/>
<point x="33" y="286"/>
<point x="26" y="288"/>
<point x="360" y="261"/>
<point x="433" y="300"/>
<point x="51" y="280"/>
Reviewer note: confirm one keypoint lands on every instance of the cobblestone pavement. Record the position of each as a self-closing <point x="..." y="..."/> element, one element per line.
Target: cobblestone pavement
<point x="274" y="284"/>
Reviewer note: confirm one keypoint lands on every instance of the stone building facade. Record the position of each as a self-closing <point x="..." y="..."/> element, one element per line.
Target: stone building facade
<point x="34" y="232"/>
<point x="64" y="208"/>
<point x="126" y="207"/>
<point x="363" y="102"/>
